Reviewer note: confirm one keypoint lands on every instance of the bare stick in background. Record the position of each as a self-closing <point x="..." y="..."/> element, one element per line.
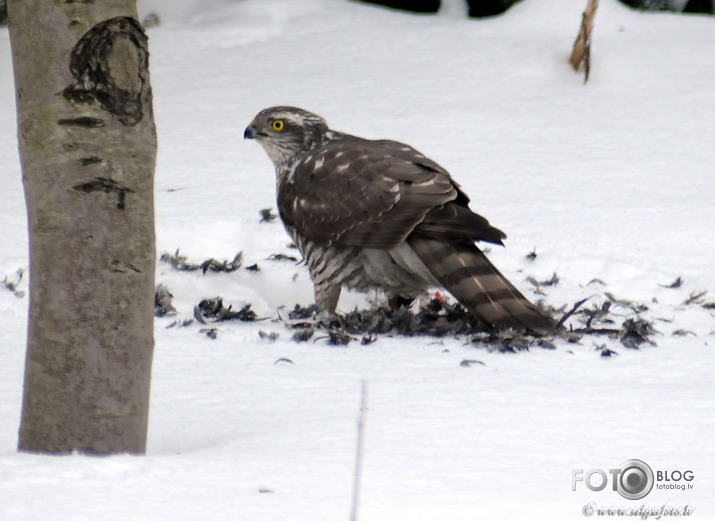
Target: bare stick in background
<point x="581" y="53"/>
<point x="358" y="452"/>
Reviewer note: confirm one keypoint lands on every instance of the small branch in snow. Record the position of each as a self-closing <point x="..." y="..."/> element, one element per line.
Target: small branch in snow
<point x="581" y="53"/>
<point x="359" y="452"/>
<point x="696" y="297"/>
<point x="568" y="314"/>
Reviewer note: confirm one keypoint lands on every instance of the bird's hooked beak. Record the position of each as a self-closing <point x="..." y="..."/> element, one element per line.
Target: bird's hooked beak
<point x="251" y="131"/>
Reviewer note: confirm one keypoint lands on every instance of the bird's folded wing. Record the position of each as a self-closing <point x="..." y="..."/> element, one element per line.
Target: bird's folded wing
<point x="374" y="194"/>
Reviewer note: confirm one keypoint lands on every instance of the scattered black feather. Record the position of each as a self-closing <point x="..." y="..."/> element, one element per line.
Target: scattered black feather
<point x="673" y="285"/>
<point x="212" y="333"/>
<point x="180" y="323"/>
<point x="303" y="333"/>
<point x="212" y="310"/>
<point x="545" y="343"/>
<point x="222" y="265"/>
<point x="573" y="337"/>
<point x="605" y="351"/>
<point x="437" y="319"/>
<point x="338" y="337"/>
<point x="300" y="313"/>
<point x="470" y="363"/>
<point x="162" y="302"/>
<point x="597" y="314"/>
<point x="442" y="319"/>
<point x="531" y="255"/>
<point x="253" y="267"/>
<point x="267" y="215"/>
<point x="635" y="332"/>
<point x="366" y="322"/>
<point x="271" y="337"/>
<point x="553" y="281"/>
<point x="633" y="306"/>
<point x="181" y="263"/>
<point x="512" y="343"/>
<point x="11" y="285"/>
<point x="282" y="257"/>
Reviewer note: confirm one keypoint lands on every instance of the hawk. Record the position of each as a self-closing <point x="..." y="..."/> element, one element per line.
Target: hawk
<point x="371" y="214"/>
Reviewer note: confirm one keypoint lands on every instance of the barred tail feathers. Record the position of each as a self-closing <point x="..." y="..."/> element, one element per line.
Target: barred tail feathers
<point x="464" y="271"/>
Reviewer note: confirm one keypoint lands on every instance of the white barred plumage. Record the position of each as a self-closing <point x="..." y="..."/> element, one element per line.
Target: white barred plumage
<point x="379" y="214"/>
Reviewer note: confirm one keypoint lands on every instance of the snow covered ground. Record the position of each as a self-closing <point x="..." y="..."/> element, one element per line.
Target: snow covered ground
<point x="611" y="181"/>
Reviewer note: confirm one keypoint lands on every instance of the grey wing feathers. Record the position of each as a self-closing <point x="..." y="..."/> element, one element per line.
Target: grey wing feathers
<point x="454" y="222"/>
<point x="374" y="194"/>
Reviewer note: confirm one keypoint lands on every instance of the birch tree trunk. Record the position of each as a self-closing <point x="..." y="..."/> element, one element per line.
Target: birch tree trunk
<point x="88" y="150"/>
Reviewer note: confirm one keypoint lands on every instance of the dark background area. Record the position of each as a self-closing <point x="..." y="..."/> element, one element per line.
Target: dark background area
<point x="482" y="8"/>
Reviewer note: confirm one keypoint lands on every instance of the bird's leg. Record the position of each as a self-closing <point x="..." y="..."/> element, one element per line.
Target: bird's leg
<point x="326" y="297"/>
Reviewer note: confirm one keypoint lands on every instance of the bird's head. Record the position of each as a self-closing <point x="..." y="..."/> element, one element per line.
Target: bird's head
<point x="286" y="132"/>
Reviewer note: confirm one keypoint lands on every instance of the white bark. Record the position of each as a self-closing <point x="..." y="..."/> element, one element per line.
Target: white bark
<point x="88" y="150"/>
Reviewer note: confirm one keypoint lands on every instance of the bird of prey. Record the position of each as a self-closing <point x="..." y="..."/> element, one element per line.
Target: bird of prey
<point x="369" y="214"/>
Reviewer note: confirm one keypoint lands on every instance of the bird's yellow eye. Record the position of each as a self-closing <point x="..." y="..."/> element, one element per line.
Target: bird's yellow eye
<point x="278" y="125"/>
